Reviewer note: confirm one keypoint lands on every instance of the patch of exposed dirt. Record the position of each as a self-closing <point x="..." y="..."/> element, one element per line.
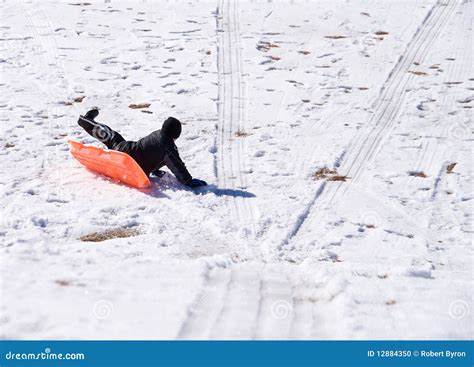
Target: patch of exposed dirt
<point x="328" y="174"/>
<point x="450" y="167"/>
<point x="417" y="72"/>
<point x="418" y="174"/>
<point x="335" y="37"/>
<point x="266" y="46"/>
<point x="136" y="106"/>
<point x="110" y="234"/>
<point x="338" y="178"/>
<point x="241" y="134"/>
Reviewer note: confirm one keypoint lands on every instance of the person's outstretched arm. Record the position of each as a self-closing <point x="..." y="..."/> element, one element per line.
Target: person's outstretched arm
<point x="178" y="168"/>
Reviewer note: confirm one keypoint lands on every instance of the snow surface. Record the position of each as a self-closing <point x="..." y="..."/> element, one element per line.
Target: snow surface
<point x="269" y="93"/>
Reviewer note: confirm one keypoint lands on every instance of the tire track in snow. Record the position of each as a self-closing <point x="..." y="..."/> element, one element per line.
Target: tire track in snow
<point x="49" y="63"/>
<point x="433" y="153"/>
<point x="50" y="59"/>
<point x="386" y="108"/>
<point x="231" y="107"/>
<point x="450" y="97"/>
<point x="275" y="312"/>
<point x="247" y="301"/>
<point x="426" y="157"/>
<point x="239" y="315"/>
<point x="391" y="102"/>
<point x="392" y="95"/>
<point x="205" y="311"/>
<point x="212" y="306"/>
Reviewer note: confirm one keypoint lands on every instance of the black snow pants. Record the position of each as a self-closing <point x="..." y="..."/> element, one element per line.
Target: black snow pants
<point x="111" y="138"/>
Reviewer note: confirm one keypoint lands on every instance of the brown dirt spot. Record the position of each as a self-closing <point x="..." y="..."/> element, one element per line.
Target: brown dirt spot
<point x="390" y="302"/>
<point x="336" y="37"/>
<point x="328" y="174"/>
<point x="417" y="72"/>
<point x="418" y="174"/>
<point x="241" y="134"/>
<point x="323" y="173"/>
<point x="9" y="145"/>
<point x="110" y="234"/>
<point x="381" y="33"/>
<point x="304" y="52"/>
<point x="79" y="99"/>
<point x="136" y="106"/>
<point x="363" y="88"/>
<point x="62" y="282"/>
<point x="266" y="46"/>
<point x="450" y="167"/>
<point x="337" y="178"/>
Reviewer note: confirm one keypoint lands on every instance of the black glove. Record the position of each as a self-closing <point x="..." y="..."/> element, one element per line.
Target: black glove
<point x="158" y="173"/>
<point x="196" y="183"/>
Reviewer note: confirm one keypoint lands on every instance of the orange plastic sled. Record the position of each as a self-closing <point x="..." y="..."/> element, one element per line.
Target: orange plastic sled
<point x="111" y="163"/>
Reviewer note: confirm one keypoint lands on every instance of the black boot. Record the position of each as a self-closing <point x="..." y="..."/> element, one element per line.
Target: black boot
<point x="92" y="114"/>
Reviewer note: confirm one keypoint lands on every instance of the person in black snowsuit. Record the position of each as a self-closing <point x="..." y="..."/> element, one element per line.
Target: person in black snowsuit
<point x="151" y="152"/>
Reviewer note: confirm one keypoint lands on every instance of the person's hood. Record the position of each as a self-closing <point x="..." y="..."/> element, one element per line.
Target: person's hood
<point x="171" y="128"/>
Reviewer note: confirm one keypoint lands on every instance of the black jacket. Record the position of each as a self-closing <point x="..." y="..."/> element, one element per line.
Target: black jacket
<point x="157" y="150"/>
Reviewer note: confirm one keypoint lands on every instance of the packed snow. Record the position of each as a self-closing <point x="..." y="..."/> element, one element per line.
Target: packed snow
<point x="336" y="138"/>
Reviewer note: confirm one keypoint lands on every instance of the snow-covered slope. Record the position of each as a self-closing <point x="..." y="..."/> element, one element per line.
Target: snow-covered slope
<point x="270" y="93"/>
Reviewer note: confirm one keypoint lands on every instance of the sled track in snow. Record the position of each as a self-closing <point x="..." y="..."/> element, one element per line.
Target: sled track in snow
<point x="213" y="301"/>
<point x="453" y="73"/>
<point x="385" y="110"/>
<point x="429" y="157"/>
<point x="49" y="59"/>
<point x="231" y="106"/>
<point x="204" y="312"/>
<point x="250" y="301"/>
